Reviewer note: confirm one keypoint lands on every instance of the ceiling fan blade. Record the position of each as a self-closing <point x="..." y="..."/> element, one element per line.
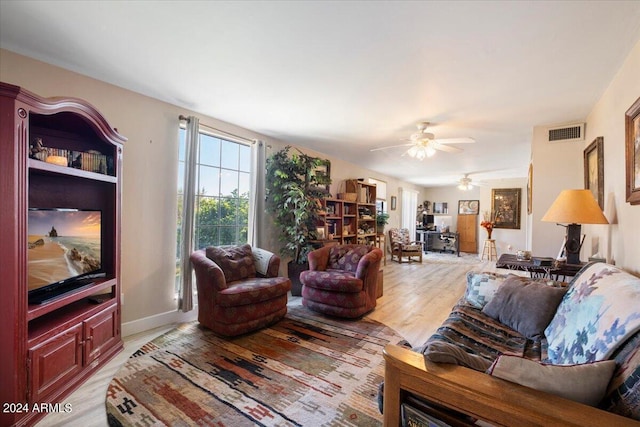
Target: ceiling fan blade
<point x="455" y="140"/>
<point x="446" y="148"/>
<point x="390" y="146"/>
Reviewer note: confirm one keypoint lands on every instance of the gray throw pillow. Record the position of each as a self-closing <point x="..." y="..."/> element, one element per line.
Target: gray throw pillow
<point x="525" y="305"/>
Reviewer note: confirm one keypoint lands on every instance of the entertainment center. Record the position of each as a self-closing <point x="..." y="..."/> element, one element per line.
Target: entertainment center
<point x="56" y="155"/>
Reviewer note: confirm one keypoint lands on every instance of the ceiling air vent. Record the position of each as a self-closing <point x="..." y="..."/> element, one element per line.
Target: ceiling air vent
<point x="573" y="132"/>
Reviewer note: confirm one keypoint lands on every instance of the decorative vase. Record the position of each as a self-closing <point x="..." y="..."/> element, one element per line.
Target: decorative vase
<point x="489" y="234"/>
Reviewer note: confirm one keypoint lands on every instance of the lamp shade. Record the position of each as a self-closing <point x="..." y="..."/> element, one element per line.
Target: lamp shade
<point x="575" y="207"/>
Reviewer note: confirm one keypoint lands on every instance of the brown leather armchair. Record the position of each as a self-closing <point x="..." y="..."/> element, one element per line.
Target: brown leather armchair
<point x="238" y="288"/>
<point x="403" y="247"/>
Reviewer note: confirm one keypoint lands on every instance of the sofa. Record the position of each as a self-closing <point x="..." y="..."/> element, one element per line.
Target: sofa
<point x="522" y="351"/>
<point x="342" y="280"/>
<point x="239" y="290"/>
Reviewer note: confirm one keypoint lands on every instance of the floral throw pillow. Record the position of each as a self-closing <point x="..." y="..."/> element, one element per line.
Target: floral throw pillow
<point x="598" y="313"/>
<point x="349" y="262"/>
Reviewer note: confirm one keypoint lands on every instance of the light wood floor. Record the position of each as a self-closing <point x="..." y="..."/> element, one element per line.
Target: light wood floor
<point x="417" y="298"/>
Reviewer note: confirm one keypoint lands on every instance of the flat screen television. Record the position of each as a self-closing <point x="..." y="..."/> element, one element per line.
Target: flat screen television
<point x="64" y="251"/>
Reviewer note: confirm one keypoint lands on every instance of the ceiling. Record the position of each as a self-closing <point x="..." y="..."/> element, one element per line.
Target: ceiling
<point x="344" y="77"/>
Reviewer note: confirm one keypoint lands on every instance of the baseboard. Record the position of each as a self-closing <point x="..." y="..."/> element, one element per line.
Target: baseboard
<point x="157" y="320"/>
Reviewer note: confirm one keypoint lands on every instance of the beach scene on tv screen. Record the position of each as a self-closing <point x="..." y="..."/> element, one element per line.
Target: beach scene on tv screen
<point x="62" y="244"/>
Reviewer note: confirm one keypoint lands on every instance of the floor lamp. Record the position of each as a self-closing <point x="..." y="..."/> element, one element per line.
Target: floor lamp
<point x="574" y="207"/>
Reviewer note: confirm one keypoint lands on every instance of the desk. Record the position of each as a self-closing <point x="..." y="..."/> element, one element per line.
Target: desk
<point x="438" y="241"/>
<point x="511" y="262"/>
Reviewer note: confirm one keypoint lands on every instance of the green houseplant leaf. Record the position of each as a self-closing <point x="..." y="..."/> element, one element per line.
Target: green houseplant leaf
<point x="294" y="193"/>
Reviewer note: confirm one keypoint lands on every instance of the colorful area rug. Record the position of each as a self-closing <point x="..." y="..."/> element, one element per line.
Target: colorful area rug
<point x="306" y="370"/>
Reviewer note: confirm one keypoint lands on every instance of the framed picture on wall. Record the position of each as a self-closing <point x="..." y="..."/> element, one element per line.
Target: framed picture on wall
<point x="632" y="152"/>
<point x="322" y="173"/>
<point x="468" y="207"/>
<point x="594" y="169"/>
<point x="505" y="206"/>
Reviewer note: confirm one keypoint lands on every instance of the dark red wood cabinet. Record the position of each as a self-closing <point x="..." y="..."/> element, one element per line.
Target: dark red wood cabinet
<point x="49" y="349"/>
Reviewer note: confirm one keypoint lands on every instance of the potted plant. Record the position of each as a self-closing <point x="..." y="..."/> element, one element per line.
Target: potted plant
<point x="382" y="219"/>
<point x="294" y="193"/>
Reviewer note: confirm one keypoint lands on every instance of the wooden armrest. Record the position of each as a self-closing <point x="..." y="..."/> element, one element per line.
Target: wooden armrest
<point x="480" y="395"/>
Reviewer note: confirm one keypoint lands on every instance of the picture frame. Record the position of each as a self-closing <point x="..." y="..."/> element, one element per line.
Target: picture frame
<point x="320" y="233"/>
<point x="632" y="152"/>
<point x="394" y="201"/>
<point x="468" y="207"/>
<point x="505" y="207"/>
<point x="594" y="169"/>
<point x="322" y="173"/>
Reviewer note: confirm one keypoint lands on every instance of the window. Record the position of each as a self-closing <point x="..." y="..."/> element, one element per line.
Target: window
<point x="222" y="196"/>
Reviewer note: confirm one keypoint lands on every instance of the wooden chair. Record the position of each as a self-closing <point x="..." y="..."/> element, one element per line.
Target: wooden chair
<point x="403" y="247"/>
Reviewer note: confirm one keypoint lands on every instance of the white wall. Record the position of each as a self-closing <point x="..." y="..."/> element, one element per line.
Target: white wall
<point x="560" y="166"/>
<point x="149" y="204"/>
<point x="557" y="166"/>
<point x="450" y="194"/>
<point x="620" y="241"/>
<point x="507" y="240"/>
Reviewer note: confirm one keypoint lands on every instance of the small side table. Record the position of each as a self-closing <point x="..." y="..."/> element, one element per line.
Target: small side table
<point x="490" y="250"/>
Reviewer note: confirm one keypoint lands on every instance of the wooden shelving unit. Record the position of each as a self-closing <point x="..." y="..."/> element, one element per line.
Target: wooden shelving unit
<point x="339" y="221"/>
<point x="49" y="349"/>
<point x="365" y="210"/>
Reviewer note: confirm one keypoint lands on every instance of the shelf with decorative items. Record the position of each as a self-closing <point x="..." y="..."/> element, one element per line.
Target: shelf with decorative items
<point x="62" y="327"/>
<point x="333" y="219"/>
<point x="338" y="222"/>
<point x="365" y="210"/>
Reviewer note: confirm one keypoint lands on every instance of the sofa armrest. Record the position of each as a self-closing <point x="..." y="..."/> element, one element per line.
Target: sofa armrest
<point x="209" y="276"/>
<point x="319" y="258"/>
<point x="266" y="262"/>
<point x="480" y="395"/>
<point x="369" y="265"/>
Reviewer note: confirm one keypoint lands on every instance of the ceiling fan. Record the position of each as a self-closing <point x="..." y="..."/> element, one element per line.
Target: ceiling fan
<point x="424" y="144"/>
<point x="466" y="183"/>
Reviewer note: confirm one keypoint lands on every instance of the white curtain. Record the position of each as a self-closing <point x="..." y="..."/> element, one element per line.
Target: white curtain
<point x="257" y="203"/>
<point x="409" y="209"/>
<point x="192" y="142"/>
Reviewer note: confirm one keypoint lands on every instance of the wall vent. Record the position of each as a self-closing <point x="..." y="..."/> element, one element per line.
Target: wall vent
<point x="572" y="132"/>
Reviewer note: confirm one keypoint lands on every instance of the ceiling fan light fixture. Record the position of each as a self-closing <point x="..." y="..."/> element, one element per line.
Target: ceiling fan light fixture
<point x="430" y="151"/>
<point x="465" y="183"/>
<point x="418" y="152"/>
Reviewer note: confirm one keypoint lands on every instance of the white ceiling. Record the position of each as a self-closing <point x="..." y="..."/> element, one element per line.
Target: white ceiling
<point x="344" y="77"/>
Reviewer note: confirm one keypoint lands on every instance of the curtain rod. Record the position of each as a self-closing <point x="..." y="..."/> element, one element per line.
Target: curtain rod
<point x="253" y="141"/>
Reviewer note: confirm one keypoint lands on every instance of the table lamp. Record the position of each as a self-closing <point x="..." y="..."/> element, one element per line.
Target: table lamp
<point x="575" y="207"/>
